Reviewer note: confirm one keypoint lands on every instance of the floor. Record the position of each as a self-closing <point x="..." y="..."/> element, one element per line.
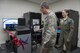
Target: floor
<point x="3" y="50"/>
<point x="76" y="51"/>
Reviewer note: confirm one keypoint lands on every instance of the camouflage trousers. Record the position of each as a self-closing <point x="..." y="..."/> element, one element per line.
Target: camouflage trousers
<point x="63" y="42"/>
<point x="48" y="48"/>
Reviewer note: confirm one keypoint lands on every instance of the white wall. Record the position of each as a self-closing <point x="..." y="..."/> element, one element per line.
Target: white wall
<point x="67" y="4"/>
<point x="14" y="9"/>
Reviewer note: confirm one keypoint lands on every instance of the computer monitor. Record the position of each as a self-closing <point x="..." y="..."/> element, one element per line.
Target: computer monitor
<point x="10" y="24"/>
<point x="21" y="22"/>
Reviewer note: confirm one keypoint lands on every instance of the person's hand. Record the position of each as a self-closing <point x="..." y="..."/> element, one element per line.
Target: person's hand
<point x="39" y="29"/>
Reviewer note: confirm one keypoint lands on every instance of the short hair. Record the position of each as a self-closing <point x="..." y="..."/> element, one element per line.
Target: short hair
<point x="45" y="4"/>
<point x="67" y="11"/>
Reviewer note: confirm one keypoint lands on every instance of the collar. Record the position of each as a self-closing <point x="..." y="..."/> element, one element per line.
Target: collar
<point x="65" y="18"/>
<point x="49" y="12"/>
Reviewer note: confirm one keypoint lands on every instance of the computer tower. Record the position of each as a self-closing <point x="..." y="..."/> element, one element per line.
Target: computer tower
<point x="75" y="16"/>
<point x="25" y="48"/>
<point x="33" y="21"/>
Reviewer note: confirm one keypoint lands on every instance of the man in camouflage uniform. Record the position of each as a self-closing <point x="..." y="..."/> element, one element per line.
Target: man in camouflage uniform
<point x="49" y="34"/>
<point x="67" y="28"/>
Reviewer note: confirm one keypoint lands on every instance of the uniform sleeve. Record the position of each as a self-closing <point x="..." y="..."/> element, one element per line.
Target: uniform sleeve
<point x="71" y="29"/>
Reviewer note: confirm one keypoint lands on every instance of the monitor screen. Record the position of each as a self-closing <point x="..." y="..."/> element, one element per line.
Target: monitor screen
<point x="10" y="23"/>
<point x="21" y="22"/>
